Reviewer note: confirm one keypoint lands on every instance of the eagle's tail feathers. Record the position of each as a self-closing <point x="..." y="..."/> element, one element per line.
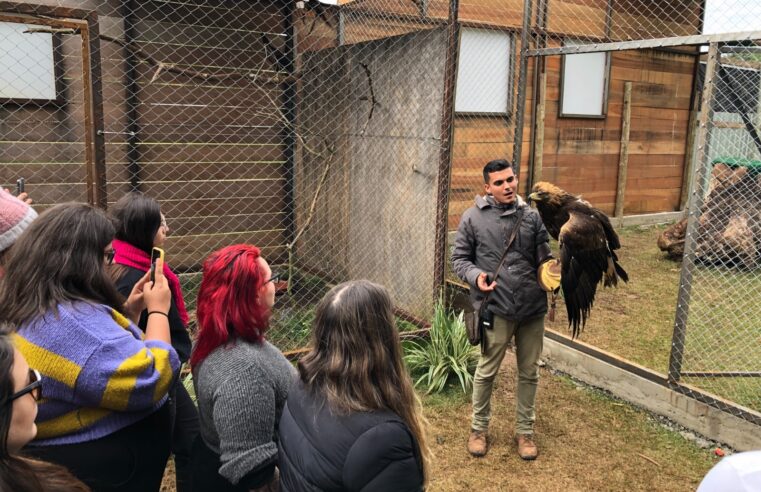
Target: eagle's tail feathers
<point x="621" y="272"/>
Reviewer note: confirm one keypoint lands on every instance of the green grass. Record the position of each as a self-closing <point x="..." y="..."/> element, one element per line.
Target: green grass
<point x="636" y="320"/>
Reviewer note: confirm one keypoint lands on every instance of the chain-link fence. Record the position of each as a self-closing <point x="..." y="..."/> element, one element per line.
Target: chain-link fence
<point x="346" y="140"/>
<point x="622" y="116"/>
<point x="717" y="340"/>
<point x="320" y="134"/>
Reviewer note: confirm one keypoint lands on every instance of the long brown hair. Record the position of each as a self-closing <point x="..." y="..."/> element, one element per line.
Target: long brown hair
<point x="58" y="258"/>
<point x="356" y="357"/>
<point x="18" y="473"/>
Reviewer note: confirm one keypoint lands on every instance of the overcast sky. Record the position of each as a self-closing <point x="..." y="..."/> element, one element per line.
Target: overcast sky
<point x="732" y="16"/>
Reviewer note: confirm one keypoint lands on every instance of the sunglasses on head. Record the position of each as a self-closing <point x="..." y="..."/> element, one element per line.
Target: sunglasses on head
<point x="34" y="387"/>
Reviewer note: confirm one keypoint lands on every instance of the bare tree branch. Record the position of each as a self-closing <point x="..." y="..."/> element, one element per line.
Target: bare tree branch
<point x="373" y="100"/>
<point x="162" y="66"/>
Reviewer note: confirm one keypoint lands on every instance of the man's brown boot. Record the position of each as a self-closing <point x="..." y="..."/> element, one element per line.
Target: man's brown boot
<point x="526" y="447"/>
<point x="478" y="443"/>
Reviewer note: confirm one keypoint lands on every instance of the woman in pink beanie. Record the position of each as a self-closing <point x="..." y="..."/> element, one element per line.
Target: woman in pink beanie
<point x="15" y="217"/>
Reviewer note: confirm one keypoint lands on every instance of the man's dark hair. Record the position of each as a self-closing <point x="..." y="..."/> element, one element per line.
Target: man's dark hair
<point x="495" y="166"/>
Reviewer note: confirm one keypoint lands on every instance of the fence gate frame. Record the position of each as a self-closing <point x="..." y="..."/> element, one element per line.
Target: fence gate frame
<point x="85" y="23"/>
<point x="714" y="42"/>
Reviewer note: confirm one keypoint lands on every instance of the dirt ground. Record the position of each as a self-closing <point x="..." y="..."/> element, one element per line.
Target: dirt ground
<point x="587" y="441"/>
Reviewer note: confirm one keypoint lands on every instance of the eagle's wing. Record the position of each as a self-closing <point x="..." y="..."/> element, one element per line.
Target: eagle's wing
<point x="584" y="257"/>
<point x="554" y="223"/>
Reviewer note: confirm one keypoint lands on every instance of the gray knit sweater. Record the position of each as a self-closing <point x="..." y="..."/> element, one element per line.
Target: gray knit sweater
<point x="241" y="390"/>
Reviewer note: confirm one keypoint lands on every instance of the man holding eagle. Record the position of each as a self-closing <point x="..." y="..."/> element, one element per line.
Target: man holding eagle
<point x="517" y="294"/>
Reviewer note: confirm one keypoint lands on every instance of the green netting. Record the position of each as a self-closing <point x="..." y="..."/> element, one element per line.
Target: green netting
<point x="753" y="165"/>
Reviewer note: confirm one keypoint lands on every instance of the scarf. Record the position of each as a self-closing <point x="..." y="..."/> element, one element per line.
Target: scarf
<point x="128" y="255"/>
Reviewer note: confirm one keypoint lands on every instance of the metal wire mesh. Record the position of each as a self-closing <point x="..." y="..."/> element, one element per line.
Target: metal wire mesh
<point x="619" y="121"/>
<point x="315" y="132"/>
<point x="717" y="330"/>
<point x="346" y="140"/>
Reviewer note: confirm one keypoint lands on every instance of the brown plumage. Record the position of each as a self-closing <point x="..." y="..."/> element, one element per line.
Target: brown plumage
<point x="587" y="248"/>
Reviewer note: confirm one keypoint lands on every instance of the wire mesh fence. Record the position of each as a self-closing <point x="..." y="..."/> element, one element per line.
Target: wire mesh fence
<point x="619" y="120"/>
<point x="346" y="140"/>
<point x="717" y="335"/>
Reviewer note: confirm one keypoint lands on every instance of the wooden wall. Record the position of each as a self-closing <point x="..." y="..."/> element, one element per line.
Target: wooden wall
<point x="212" y="151"/>
<point x="45" y="144"/>
<point x="582" y="155"/>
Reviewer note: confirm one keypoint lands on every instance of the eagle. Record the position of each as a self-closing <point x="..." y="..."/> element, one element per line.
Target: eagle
<point x="587" y="248"/>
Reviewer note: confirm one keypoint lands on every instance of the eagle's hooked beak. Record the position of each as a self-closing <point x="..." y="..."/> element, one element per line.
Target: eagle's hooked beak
<point x="532" y="197"/>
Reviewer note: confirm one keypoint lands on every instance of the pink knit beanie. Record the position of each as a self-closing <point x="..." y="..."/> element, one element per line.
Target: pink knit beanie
<point x="15" y="217"/>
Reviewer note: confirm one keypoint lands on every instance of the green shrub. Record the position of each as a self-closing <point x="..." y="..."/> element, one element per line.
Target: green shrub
<point x="446" y="353"/>
<point x="187" y="381"/>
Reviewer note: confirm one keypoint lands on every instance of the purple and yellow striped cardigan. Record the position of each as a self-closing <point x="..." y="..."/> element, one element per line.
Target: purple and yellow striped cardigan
<point x="98" y="374"/>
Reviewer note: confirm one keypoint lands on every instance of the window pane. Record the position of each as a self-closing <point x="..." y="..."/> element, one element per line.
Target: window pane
<point x="584" y="84"/>
<point x="26" y="63"/>
<point x="483" y="72"/>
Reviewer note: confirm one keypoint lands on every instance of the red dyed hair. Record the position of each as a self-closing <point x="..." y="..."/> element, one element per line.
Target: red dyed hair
<point x="228" y="300"/>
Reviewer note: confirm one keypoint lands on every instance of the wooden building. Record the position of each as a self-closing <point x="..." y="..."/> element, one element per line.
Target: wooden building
<point x="579" y="153"/>
<point x="210" y="107"/>
<point x="213" y="150"/>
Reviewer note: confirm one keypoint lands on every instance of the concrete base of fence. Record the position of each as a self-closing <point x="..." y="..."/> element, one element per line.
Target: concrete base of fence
<point x="625" y="221"/>
<point x="647" y="219"/>
<point x="710" y="422"/>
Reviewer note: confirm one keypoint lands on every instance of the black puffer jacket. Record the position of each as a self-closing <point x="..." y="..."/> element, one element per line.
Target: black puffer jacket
<point x="368" y="452"/>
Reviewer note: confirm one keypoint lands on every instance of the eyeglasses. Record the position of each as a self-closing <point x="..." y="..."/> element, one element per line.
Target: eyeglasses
<point x="109" y="256"/>
<point x="34" y="387"/>
<point x="275" y="278"/>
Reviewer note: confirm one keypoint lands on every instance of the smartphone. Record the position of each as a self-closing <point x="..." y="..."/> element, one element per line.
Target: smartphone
<point x="20" y="186"/>
<point x="156" y="253"/>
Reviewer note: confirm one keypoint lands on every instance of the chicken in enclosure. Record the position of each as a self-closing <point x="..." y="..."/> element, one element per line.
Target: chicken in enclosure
<point x="587" y="244"/>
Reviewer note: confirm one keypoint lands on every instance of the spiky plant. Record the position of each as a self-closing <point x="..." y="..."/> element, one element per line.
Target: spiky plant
<point x="444" y="355"/>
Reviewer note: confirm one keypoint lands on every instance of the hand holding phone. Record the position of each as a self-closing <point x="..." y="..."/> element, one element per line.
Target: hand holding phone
<point x="156" y="290"/>
<point x="156" y="254"/>
<point x="20" y="183"/>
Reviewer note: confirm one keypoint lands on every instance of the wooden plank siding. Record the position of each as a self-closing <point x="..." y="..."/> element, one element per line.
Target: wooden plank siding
<point x="580" y="155"/>
<point x="211" y="151"/>
<point x="46" y="144"/>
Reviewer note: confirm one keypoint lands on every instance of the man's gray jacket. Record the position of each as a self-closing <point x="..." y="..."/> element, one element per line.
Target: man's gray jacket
<point x="480" y="242"/>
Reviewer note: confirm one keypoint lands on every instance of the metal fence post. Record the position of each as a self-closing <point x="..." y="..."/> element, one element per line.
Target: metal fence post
<point x="445" y="157"/>
<point x="521" y="104"/>
<point x="696" y="205"/>
<point x="95" y="137"/>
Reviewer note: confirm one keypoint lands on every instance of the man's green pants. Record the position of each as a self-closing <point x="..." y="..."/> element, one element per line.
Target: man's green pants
<point x="529" y="339"/>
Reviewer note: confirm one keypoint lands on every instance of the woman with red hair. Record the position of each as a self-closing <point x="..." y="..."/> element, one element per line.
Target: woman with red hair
<point x="241" y="380"/>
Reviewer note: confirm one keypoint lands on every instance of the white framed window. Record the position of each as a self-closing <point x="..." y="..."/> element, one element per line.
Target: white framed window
<point x="584" y="84"/>
<point x="27" y="64"/>
<point x="483" y="72"/>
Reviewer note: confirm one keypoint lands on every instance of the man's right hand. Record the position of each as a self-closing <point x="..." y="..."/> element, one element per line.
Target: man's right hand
<point x="482" y="285"/>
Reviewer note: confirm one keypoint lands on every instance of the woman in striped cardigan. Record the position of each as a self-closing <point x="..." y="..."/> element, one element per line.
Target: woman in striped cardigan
<point x="104" y="415"/>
